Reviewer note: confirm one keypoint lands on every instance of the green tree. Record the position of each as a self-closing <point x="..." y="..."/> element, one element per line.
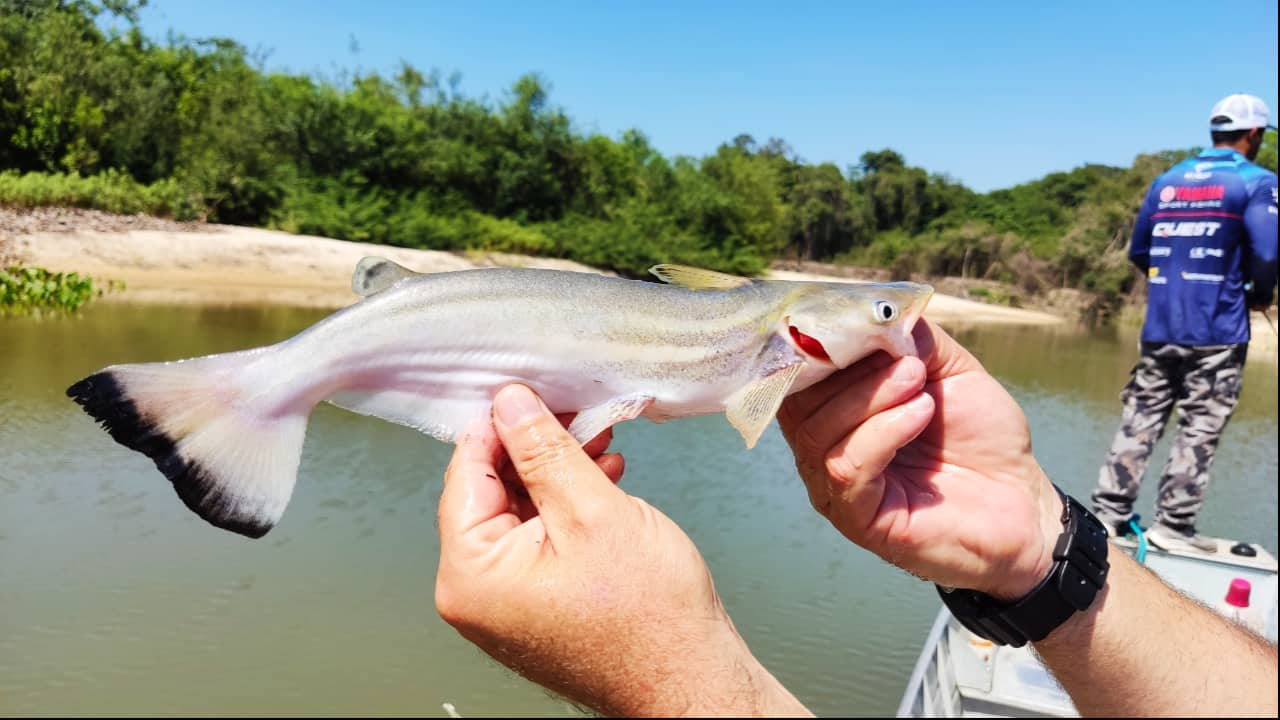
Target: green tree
<point x="93" y="113"/>
<point x="1267" y="153"/>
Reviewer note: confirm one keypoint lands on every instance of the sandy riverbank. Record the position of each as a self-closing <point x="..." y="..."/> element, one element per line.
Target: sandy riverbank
<point x="227" y="265"/>
<point x="218" y="264"/>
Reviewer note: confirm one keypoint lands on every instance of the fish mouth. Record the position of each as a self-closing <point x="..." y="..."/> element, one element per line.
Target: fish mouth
<point x="905" y="342"/>
<point x="916" y="311"/>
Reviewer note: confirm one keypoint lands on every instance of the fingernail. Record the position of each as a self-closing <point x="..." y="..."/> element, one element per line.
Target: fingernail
<point x="917" y="405"/>
<point x="517" y="404"/>
<point x="920" y="404"/>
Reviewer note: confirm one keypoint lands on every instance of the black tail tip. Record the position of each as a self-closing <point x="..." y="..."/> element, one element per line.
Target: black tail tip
<point x="107" y="400"/>
<point x="85" y="389"/>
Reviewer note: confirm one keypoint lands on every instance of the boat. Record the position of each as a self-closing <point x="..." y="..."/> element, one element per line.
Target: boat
<point x="959" y="674"/>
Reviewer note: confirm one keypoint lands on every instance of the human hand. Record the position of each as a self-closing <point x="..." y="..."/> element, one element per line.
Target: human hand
<point x="927" y="463"/>
<point x="555" y="572"/>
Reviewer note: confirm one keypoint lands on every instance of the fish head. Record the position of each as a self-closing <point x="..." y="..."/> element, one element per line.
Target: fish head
<point x="841" y="323"/>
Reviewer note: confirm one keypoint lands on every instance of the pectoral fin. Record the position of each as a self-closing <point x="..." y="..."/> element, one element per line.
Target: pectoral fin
<point x="595" y="420"/>
<point x="375" y="274"/>
<point x="697" y="278"/>
<point x="751" y="408"/>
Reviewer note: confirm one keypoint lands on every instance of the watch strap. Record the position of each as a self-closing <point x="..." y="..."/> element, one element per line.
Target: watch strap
<point x="1079" y="571"/>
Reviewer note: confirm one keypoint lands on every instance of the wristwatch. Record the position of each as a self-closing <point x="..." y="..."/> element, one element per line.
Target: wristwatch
<point x="1079" y="571"/>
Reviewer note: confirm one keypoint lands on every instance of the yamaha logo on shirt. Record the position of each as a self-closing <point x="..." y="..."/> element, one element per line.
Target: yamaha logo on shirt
<point x="1204" y="196"/>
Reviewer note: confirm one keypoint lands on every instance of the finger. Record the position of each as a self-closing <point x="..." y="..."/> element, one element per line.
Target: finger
<point x="942" y="355"/>
<point x="856" y="465"/>
<point x="595" y="445"/>
<point x="598" y="444"/>
<point x="796" y="408"/>
<point x="612" y="465"/>
<point x="519" y="503"/>
<point x="473" y="491"/>
<point x="856" y="402"/>
<point x="566" y="486"/>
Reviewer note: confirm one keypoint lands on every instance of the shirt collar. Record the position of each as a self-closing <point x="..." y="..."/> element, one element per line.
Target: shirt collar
<point x="1221" y="153"/>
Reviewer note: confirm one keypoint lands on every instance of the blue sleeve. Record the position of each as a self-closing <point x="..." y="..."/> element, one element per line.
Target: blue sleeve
<point x="1260" y="224"/>
<point x="1140" y="245"/>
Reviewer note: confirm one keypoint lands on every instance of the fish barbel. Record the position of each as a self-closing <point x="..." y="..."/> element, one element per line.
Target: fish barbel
<point x="431" y="350"/>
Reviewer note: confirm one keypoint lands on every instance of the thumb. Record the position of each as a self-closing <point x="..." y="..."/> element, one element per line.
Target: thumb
<point x="565" y="484"/>
<point x="941" y="354"/>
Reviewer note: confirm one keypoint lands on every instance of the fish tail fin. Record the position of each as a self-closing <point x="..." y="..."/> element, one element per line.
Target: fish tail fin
<point x="231" y="463"/>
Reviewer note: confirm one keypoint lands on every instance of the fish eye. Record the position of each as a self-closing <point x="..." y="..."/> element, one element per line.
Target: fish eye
<point x="885" y="311"/>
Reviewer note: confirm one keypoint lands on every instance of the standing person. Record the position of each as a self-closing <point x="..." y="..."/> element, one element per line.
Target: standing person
<point x="1206" y="238"/>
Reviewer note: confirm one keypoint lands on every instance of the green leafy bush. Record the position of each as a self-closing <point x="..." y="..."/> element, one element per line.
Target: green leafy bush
<point x="111" y="191"/>
<point x="32" y="289"/>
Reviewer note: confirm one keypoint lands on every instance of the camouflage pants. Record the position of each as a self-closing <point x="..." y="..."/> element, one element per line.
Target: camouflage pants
<point x="1204" y="384"/>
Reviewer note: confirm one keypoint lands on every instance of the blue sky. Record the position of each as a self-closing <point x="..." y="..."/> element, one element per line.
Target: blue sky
<point x="990" y="93"/>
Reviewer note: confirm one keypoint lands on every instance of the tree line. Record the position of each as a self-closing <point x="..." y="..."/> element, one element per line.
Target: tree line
<point x="197" y="128"/>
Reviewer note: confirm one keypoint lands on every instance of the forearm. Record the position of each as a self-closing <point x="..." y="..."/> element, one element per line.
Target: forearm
<point x="1140" y="242"/>
<point x="752" y="691"/>
<point x="1260" y="223"/>
<point x="716" y="676"/>
<point x="1144" y="649"/>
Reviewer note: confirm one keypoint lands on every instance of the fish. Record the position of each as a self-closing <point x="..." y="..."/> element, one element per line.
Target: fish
<point x="430" y="351"/>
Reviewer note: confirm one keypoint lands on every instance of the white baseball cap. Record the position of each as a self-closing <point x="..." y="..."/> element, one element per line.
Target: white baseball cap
<point x="1240" y="112"/>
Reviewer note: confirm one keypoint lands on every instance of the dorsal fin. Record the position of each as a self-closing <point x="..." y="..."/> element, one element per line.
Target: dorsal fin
<point x="697" y="278"/>
<point x="375" y="274"/>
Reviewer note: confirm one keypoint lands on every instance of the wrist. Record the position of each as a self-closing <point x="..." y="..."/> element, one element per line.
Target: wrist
<point x="1078" y="574"/>
<point x="1035" y="560"/>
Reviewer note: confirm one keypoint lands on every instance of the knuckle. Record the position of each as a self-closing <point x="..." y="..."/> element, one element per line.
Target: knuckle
<point x="840" y="468"/>
<point x="820" y="499"/>
<point x="450" y="604"/>
<point x="590" y="515"/>
<point x="586" y="516"/>
<point x="809" y="441"/>
<point x="806" y="468"/>
<point x="540" y="456"/>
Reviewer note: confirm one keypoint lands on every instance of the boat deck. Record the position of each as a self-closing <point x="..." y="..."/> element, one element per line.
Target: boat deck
<point x="962" y="675"/>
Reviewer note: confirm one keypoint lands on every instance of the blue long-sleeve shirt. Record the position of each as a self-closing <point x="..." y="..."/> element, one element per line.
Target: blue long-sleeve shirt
<point x="1207" y="227"/>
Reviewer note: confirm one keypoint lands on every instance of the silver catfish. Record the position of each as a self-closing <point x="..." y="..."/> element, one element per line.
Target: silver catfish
<point x="430" y="351"/>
